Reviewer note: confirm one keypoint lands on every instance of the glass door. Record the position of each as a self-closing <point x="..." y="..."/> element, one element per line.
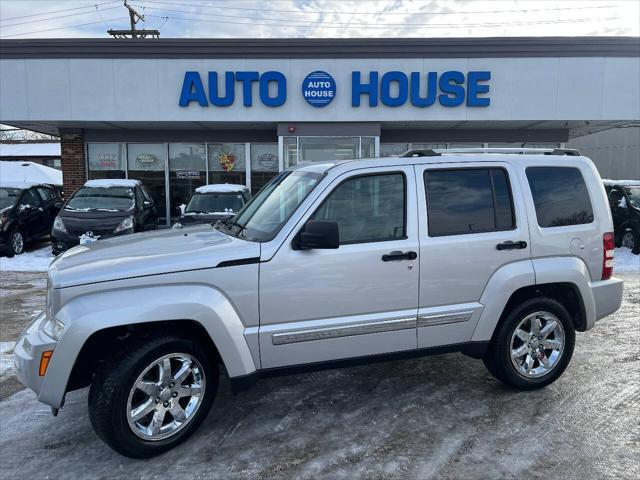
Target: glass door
<point x="322" y="149"/>
<point x="187" y="171"/>
<point x="146" y="162"/>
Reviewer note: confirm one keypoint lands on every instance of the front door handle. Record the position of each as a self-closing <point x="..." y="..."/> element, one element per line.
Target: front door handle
<point x="511" y="245"/>
<point x="397" y="255"/>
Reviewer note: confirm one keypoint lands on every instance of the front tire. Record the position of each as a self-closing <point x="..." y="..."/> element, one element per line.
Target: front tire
<point x="533" y="345"/>
<point x="153" y="396"/>
<point x="16" y="242"/>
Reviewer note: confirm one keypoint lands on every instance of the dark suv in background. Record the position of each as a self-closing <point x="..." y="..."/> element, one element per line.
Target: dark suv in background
<point x="26" y="213"/>
<point x="101" y="209"/>
<point x="214" y="202"/>
<point x="624" y="200"/>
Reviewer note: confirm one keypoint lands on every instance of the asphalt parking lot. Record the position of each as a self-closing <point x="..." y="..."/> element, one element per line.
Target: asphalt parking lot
<point x="435" y="417"/>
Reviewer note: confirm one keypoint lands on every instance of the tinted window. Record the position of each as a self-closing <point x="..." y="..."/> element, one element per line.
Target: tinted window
<point x="30" y="197"/>
<point x="367" y="209"/>
<point x="469" y="200"/>
<point x="101" y="198"/>
<point x="560" y="196"/>
<point x="215" y="203"/>
<point x="45" y="193"/>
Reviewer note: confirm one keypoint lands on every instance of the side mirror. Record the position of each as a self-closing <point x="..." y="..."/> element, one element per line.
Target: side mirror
<point x="319" y="234"/>
<point x="58" y="204"/>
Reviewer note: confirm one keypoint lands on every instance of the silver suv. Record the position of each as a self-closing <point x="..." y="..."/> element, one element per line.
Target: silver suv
<point x="500" y="255"/>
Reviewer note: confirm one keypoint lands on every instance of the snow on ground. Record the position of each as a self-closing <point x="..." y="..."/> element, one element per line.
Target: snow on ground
<point x="7" y="367"/>
<point x="37" y="260"/>
<point x="625" y="261"/>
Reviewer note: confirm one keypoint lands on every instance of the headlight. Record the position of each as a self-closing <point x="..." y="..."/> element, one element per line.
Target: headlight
<point x="58" y="224"/>
<point x="126" y="224"/>
<point x="53" y="327"/>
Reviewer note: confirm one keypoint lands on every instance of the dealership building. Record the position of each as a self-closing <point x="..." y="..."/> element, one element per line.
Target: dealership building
<point x="180" y="113"/>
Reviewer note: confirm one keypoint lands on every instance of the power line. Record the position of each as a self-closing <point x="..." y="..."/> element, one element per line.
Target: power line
<point x="519" y="10"/>
<point x="66" y="26"/>
<point x="59" y="16"/>
<point x="385" y="26"/>
<point x="57" y="11"/>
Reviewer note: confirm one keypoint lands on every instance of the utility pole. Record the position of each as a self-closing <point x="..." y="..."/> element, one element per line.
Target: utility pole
<point x="134" y="17"/>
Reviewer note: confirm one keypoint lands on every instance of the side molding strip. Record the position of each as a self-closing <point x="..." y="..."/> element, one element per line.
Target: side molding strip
<point x="443" y="318"/>
<point x="345" y="331"/>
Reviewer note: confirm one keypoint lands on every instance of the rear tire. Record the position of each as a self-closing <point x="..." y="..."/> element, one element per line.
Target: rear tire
<point x="522" y="359"/>
<point x="131" y="396"/>
<point x="631" y="240"/>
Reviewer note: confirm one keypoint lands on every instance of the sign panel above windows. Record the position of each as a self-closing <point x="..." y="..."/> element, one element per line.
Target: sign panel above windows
<point x="391" y="89"/>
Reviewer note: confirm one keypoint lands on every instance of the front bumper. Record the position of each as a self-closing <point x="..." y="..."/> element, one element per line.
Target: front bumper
<point x="27" y="354"/>
<point x="61" y="242"/>
<point x="607" y="295"/>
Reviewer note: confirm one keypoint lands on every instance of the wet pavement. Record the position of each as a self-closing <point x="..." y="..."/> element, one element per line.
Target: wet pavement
<point x="435" y="417"/>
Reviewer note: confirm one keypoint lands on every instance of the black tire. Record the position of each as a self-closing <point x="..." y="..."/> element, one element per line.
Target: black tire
<point x="110" y="389"/>
<point x="635" y="239"/>
<point x="12" y="250"/>
<point x="498" y="357"/>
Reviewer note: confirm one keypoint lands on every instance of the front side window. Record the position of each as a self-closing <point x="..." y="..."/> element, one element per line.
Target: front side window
<point x="367" y="209"/>
<point x="262" y="218"/>
<point x="102" y="199"/>
<point x="215" y="203"/>
<point x="560" y="196"/>
<point x="30" y="198"/>
<point x="470" y="200"/>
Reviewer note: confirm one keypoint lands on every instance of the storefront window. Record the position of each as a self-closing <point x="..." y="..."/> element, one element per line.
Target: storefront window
<point x="227" y="163"/>
<point x="146" y="162"/>
<point x="393" y="149"/>
<point x="264" y="164"/>
<point x="187" y="171"/>
<point x="290" y="151"/>
<point x="428" y="146"/>
<point x="368" y="147"/>
<point x="106" y="160"/>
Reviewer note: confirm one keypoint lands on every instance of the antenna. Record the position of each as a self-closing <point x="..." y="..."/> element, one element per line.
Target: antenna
<point x="135" y="17"/>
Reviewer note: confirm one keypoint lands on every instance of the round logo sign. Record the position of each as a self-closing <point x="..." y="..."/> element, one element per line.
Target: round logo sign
<point x="318" y="89"/>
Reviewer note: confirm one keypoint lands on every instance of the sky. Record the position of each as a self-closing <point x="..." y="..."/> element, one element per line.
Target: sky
<point x="322" y="18"/>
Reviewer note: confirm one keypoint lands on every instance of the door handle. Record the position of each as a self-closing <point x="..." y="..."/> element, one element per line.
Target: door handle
<point x="397" y="255"/>
<point x="511" y="245"/>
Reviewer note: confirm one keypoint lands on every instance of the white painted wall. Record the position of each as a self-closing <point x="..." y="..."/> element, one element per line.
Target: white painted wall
<point x="593" y="88"/>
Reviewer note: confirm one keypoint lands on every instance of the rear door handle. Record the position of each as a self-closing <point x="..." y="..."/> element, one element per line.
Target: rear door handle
<point x="397" y="255"/>
<point x="511" y="245"/>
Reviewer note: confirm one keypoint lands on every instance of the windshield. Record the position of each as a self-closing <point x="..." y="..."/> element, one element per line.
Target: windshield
<point x="102" y="198"/>
<point x="264" y="215"/>
<point x="634" y="195"/>
<point x="215" y="203"/>
<point x="8" y="197"/>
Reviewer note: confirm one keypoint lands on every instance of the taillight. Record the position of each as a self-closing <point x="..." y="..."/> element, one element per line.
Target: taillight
<point x="608" y="246"/>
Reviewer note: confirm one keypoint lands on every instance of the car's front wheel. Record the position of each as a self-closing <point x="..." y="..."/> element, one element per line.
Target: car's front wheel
<point x="533" y="345"/>
<point x="153" y="396"/>
<point x="16" y="242"/>
<point x="631" y="240"/>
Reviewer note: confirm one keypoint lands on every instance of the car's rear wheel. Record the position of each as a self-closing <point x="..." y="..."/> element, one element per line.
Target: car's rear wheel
<point x="16" y="242"/>
<point x="152" y="397"/>
<point x="631" y="240"/>
<point x="533" y="345"/>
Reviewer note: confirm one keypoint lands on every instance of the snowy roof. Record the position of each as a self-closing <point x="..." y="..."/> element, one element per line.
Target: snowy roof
<point x="18" y="185"/>
<point x="221" y="187"/>
<point x="621" y="182"/>
<point x="29" y="172"/>
<point x="29" y="149"/>
<point x="112" y="182"/>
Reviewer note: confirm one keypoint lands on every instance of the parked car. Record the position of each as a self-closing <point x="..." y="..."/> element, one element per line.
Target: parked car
<point x="103" y="209"/>
<point x="624" y="200"/>
<point x="214" y="202"/>
<point x="26" y="213"/>
<point x="501" y="257"/>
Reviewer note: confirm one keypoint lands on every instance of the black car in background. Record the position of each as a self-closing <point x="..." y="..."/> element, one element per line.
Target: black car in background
<point x="102" y="209"/>
<point x="27" y="212"/>
<point x="214" y="202"/>
<point x="624" y="200"/>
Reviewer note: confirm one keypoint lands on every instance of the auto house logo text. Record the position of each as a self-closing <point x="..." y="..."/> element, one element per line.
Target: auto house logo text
<point x="319" y="89"/>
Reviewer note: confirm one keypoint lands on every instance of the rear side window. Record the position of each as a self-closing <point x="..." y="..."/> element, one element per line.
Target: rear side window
<point x="560" y="196"/>
<point x="469" y="200"/>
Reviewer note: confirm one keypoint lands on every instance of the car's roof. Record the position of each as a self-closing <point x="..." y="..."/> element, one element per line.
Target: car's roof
<point x="113" y="182"/>
<point x="621" y="183"/>
<point x="22" y="185"/>
<point x="221" y="188"/>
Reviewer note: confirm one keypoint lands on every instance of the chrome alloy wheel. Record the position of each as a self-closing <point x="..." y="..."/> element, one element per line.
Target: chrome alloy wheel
<point x="628" y="240"/>
<point x="17" y="242"/>
<point x="166" y="396"/>
<point x="537" y="344"/>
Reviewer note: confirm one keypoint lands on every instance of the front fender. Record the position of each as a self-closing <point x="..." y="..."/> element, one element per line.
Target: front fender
<point x="85" y="315"/>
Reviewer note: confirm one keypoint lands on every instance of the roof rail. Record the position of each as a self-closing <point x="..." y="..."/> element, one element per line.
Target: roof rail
<point x="421" y="153"/>
<point x="520" y="151"/>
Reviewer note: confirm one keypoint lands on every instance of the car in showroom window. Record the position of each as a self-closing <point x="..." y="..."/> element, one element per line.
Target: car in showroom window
<point x="215" y="202"/>
<point x="103" y="208"/>
<point x="26" y="213"/>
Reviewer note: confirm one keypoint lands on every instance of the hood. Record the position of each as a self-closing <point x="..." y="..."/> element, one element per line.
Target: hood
<point x="100" y="222"/>
<point x="148" y="253"/>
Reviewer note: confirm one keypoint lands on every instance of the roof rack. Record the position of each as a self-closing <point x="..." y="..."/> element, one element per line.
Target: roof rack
<point x="519" y="151"/>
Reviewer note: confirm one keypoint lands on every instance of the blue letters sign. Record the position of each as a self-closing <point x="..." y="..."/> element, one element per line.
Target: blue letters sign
<point x="319" y="89"/>
<point x="391" y="89"/>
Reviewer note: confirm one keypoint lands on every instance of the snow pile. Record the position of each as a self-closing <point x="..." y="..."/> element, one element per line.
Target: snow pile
<point x="626" y="262"/>
<point x="112" y="182"/>
<point x="220" y="188"/>
<point x="33" y="261"/>
<point x="627" y="183"/>
<point x="7" y="367"/>
<point x="30" y="173"/>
